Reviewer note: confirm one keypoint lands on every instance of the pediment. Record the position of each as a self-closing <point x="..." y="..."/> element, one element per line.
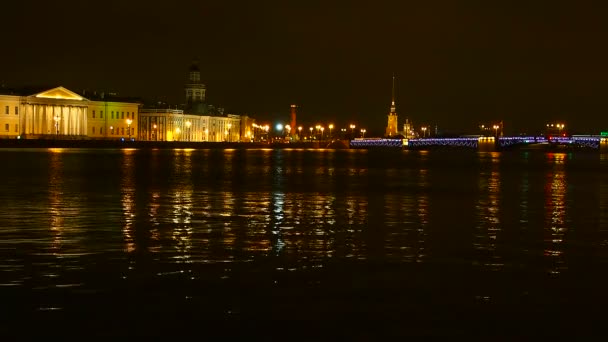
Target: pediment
<point x="60" y="93"/>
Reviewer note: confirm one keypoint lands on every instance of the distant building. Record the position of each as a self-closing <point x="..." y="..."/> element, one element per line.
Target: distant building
<point x="60" y="113"/>
<point x="391" y="127"/>
<point x="197" y="121"/>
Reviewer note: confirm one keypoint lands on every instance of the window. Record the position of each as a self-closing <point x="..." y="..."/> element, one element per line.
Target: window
<point x="101" y="114"/>
<point x="112" y="114"/>
<point x="123" y="131"/>
<point x="133" y="115"/>
<point x="123" y="115"/>
<point x="93" y="128"/>
<point x="6" y="110"/>
<point x="6" y="126"/>
<point x="101" y="130"/>
<point x="16" y="110"/>
<point x="16" y="128"/>
<point x="93" y="114"/>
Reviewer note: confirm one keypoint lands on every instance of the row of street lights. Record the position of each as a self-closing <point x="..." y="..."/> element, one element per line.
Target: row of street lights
<point x="316" y="130"/>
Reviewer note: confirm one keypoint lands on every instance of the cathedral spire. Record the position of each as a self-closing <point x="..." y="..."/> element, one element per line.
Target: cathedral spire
<point x="393" y="109"/>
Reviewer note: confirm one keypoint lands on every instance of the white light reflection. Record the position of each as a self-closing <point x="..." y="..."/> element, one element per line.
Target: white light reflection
<point x="603" y="199"/>
<point x="423" y="207"/>
<point x="488" y="210"/>
<point x="181" y="205"/>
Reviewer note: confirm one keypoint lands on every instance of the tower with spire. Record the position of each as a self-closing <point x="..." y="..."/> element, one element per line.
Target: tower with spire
<point x="391" y="127"/>
<point x="195" y="90"/>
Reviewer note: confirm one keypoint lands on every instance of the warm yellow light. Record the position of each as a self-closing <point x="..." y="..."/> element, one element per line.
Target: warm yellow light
<point x="59" y="93"/>
<point x="154" y="126"/>
<point x="229" y="126"/>
<point x="188" y="124"/>
<point x="331" y="126"/>
<point x="177" y="130"/>
<point x="129" y="121"/>
<point x="300" y="128"/>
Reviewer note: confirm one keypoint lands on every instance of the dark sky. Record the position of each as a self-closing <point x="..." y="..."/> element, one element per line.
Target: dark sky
<point x="457" y="63"/>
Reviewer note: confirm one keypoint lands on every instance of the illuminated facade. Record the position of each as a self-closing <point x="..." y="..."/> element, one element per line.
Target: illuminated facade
<point x="391" y="127"/>
<point x="197" y="122"/>
<point x="64" y="114"/>
<point x="175" y="125"/>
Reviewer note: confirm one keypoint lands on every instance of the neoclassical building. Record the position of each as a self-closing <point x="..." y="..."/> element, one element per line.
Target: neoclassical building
<point x="63" y="114"/>
<point x="198" y="121"/>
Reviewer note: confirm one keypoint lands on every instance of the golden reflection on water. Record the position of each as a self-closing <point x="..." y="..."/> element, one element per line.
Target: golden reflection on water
<point x="488" y="211"/>
<point x="56" y="199"/>
<point x="181" y="202"/>
<point x="127" y="196"/>
<point x="555" y="213"/>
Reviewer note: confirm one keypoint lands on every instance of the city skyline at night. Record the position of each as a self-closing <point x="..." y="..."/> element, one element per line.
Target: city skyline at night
<point x="456" y="65"/>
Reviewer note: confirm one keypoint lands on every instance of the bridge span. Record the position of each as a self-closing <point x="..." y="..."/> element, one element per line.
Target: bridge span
<point x="487" y="143"/>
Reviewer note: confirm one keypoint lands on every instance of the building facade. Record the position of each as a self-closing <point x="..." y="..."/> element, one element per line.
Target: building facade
<point x="175" y="125"/>
<point x="63" y="114"/>
<point x="198" y="121"/>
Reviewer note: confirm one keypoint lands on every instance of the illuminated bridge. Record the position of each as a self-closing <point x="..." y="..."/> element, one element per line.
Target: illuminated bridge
<point x="485" y="143"/>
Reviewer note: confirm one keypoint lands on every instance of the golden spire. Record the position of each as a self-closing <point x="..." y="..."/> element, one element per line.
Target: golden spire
<point x="393" y="109"/>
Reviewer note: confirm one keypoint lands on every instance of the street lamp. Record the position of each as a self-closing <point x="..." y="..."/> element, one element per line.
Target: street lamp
<point x="155" y="135"/>
<point x="322" y="129"/>
<point x="496" y="127"/>
<point x="331" y="126"/>
<point x="129" y="121"/>
<point x="300" y="132"/>
<point x="311" y="133"/>
<point x="423" y="131"/>
<point x="57" y="118"/>
<point x="229" y="126"/>
<point x="560" y="127"/>
<point x="363" y="130"/>
<point x="352" y="129"/>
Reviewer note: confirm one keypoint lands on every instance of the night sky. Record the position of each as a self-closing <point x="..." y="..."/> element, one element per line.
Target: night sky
<point x="457" y="63"/>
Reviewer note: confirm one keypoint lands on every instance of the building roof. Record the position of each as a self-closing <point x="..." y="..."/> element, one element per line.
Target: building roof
<point x="87" y="94"/>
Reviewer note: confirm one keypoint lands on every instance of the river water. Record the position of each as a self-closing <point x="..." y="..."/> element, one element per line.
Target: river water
<point x="303" y="244"/>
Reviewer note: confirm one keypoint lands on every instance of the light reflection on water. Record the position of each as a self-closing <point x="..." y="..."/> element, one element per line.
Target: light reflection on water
<point x="555" y="211"/>
<point x="212" y="215"/>
<point x="488" y="211"/>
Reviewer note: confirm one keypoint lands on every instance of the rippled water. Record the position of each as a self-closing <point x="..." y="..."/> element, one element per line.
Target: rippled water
<point x="303" y="243"/>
